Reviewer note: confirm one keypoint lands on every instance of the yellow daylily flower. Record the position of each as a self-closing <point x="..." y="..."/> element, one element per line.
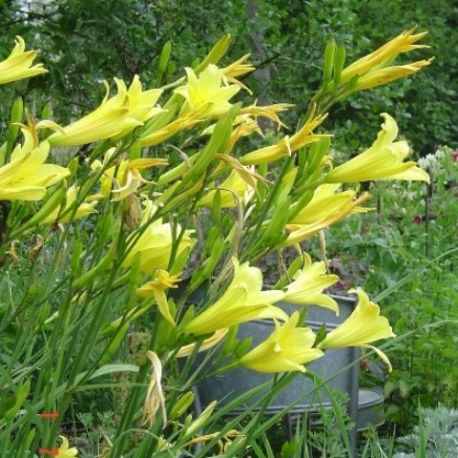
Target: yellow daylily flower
<point x="287" y="349"/>
<point x="382" y="161"/>
<point x="384" y="55"/>
<point x="206" y="93"/>
<point x="243" y="301"/>
<point x="326" y="208"/>
<point x="362" y="327"/>
<point x="309" y="283"/>
<point x="18" y="65"/>
<point x="84" y="209"/>
<point x="234" y="185"/>
<point x="26" y="176"/>
<point x="287" y="145"/>
<point x="157" y="288"/>
<point x="65" y="451"/>
<point x="154" y="246"/>
<point x="140" y="103"/>
<point x="114" y="118"/>
<point x="386" y="75"/>
<point x="326" y="200"/>
<point x="125" y="178"/>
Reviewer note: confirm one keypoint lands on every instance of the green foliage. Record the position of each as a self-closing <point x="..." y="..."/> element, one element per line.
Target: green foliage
<point x="435" y="437"/>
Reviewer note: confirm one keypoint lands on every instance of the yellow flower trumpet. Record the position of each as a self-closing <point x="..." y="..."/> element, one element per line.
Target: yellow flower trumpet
<point x="309" y="283"/>
<point x="287" y="349"/>
<point x="18" y="65"/>
<point x="362" y="327"/>
<point x="243" y="301"/>
<point x="382" y="161"/>
<point x="26" y="176"/>
<point x="206" y="93"/>
<point x="154" y="246"/>
<point x="114" y="118"/>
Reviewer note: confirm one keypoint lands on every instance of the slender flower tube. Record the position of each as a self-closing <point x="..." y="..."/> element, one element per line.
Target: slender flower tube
<point x="362" y="327"/>
<point x="287" y="349"/>
<point x="206" y="94"/>
<point x="287" y="145"/>
<point x="382" y="56"/>
<point x="382" y="161"/>
<point x="114" y="118"/>
<point x="158" y="136"/>
<point x="206" y="344"/>
<point x="18" y="65"/>
<point x="26" y="176"/>
<point x="243" y="301"/>
<point x="309" y="283"/>
<point x="84" y="209"/>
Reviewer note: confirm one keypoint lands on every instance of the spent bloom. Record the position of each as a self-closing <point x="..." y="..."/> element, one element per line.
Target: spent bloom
<point x="155" y="399"/>
<point x="26" y="176"/>
<point x="382" y="161"/>
<point x="205" y="93"/>
<point x="243" y="301"/>
<point x="18" y="65"/>
<point x="287" y="349"/>
<point x="309" y="283"/>
<point x="114" y="118"/>
<point x="361" y="328"/>
<point x="123" y="179"/>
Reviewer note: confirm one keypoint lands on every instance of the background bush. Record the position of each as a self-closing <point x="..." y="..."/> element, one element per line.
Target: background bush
<point x="84" y="42"/>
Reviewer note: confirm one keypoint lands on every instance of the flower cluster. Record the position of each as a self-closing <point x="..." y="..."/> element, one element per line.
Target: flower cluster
<point x="173" y="197"/>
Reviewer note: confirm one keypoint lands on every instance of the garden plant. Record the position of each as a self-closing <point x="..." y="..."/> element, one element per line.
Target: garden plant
<point x="112" y="223"/>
